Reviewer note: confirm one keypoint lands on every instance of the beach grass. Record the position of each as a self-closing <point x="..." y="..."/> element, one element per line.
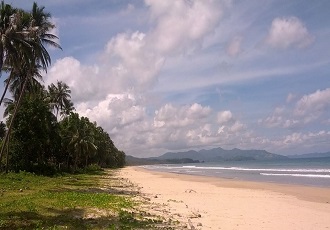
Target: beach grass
<point x="84" y="201"/>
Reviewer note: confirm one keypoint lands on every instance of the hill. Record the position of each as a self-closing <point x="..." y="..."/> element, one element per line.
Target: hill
<point x="211" y="155"/>
<point x="220" y="154"/>
<point x="130" y="160"/>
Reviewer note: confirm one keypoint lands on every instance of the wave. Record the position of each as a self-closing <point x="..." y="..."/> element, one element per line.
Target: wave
<point x="297" y="175"/>
<point x="304" y="170"/>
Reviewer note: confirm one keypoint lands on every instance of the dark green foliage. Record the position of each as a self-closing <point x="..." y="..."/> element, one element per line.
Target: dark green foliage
<point x="35" y="140"/>
<point x="84" y="143"/>
<point x="41" y="144"/>
<point x="2" y="130"/>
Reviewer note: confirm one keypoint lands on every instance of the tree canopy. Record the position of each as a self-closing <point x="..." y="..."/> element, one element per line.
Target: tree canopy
<point x="34" y="136"/>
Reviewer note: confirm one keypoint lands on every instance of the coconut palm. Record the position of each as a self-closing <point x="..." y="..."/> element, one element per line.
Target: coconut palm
<point x="24" y="34"/>
<point x="13" y="39"/>
<point x="59" y="98"/>
<point x="28" y="54"/>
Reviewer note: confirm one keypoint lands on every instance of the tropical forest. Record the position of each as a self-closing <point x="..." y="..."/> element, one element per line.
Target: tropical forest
<point x="40" y="131"/>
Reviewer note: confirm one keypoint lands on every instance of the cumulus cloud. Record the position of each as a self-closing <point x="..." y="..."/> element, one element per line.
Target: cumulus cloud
<point x="276" y="119"/>
<point x="115" y="112"/>
<point x="306" y="140"/>
<point x="313" y="105"/>
<point x="288" y="32"/>
<point x="181" y="25"/>
<point x="83" y="81"/>
<point x="113" y="92"/>
<point x="170" y="127"/>
<point x="228" y="122"/>
<point x="307" y="109"/>
<point x="170" y="116"/>
<point x="133" y="63"/>
<point x="225" y="117"/>
<point x="273" y="121"/>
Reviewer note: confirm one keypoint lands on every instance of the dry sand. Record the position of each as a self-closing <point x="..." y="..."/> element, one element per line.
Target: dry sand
<point x="213" y="203"/>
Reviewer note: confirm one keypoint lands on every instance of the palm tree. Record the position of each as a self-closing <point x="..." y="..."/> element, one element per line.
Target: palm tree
<point x="24" y="34"/>
<point x="13" y="41"/>
<point x="9" y="106"/>
<point x="59" y="98"/>
<point x="29" y="54"/>
<point x="30" y="73"/>
<point x="79" y="135"/>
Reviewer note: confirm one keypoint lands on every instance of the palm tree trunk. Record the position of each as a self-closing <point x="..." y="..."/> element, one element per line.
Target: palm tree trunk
<point x="7" y="156"/>
<point x="5" y="141"/>
<point x="6" y="88"/>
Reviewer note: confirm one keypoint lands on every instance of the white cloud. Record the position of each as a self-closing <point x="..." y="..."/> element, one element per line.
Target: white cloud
<point x="113" y="92"/>
<point x="225" y="117"/>
<point x="288" y="32"/>
<point x="309" y="108"/>
<point x="115" y="112"/>
<point x="83" y="81"/>
<point x="276" y="119"/>
<point x="273" y="121"/>
<point x="182" y="25"/>
<point x="176" y="51"/>
<point x="313" y="105"/>
<point x="307" y="140"/>
<point x="170" y="116"/>
<point x="237" y="126"/>
<point x="133" y="63"/>
<point x="291" y="123"/>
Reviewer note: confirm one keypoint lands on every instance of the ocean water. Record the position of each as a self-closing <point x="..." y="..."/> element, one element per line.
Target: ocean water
<point x="309" y="171"/>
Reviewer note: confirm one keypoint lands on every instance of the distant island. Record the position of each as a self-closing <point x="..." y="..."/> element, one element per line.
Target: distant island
<point x="211" y="155"/>
<point x="216" y="155"/>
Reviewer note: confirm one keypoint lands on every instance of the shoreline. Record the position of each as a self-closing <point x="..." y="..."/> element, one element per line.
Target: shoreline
<point x="201" y="202"/>
<point x="301" y="191"/>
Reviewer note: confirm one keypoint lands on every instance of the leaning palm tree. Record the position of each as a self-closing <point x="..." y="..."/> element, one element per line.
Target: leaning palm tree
<point x="30" y="73"/>
<point x="14" y="40"/>
<point x="24" y="33"/>
<point x="29" y="55"/>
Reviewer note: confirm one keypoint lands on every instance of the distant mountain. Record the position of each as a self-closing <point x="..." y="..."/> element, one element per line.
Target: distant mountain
<point x="130" y="160"/>
<point x="211" y="155"/>
<point x="220" y="154"/>
<point x="311" y="155"/>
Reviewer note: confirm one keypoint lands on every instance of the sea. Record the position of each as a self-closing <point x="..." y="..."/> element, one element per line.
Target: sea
<point x="305" y="171"/>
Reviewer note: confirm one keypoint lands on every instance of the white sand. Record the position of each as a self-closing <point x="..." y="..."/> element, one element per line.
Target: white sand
<point x="212" y="203"/>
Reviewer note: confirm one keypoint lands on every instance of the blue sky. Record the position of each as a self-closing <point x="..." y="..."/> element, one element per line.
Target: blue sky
<point x="189" y="74"/>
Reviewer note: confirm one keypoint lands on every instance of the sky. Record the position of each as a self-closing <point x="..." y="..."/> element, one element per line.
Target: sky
<point x="176" y="75"/>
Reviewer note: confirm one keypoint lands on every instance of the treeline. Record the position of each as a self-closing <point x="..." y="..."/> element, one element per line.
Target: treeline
<point x="42" y="133"/>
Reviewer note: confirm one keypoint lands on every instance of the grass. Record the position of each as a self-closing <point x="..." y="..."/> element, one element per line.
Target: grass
<point x="83" y="201"/>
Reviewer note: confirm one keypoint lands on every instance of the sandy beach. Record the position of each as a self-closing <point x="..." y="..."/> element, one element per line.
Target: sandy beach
<point x="212" y="203"/>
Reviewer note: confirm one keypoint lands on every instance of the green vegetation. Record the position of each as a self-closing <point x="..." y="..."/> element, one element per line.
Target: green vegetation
<point x="42" y="133"/>
<point x="42" y="139"/>
<point x="81" y="201"/>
